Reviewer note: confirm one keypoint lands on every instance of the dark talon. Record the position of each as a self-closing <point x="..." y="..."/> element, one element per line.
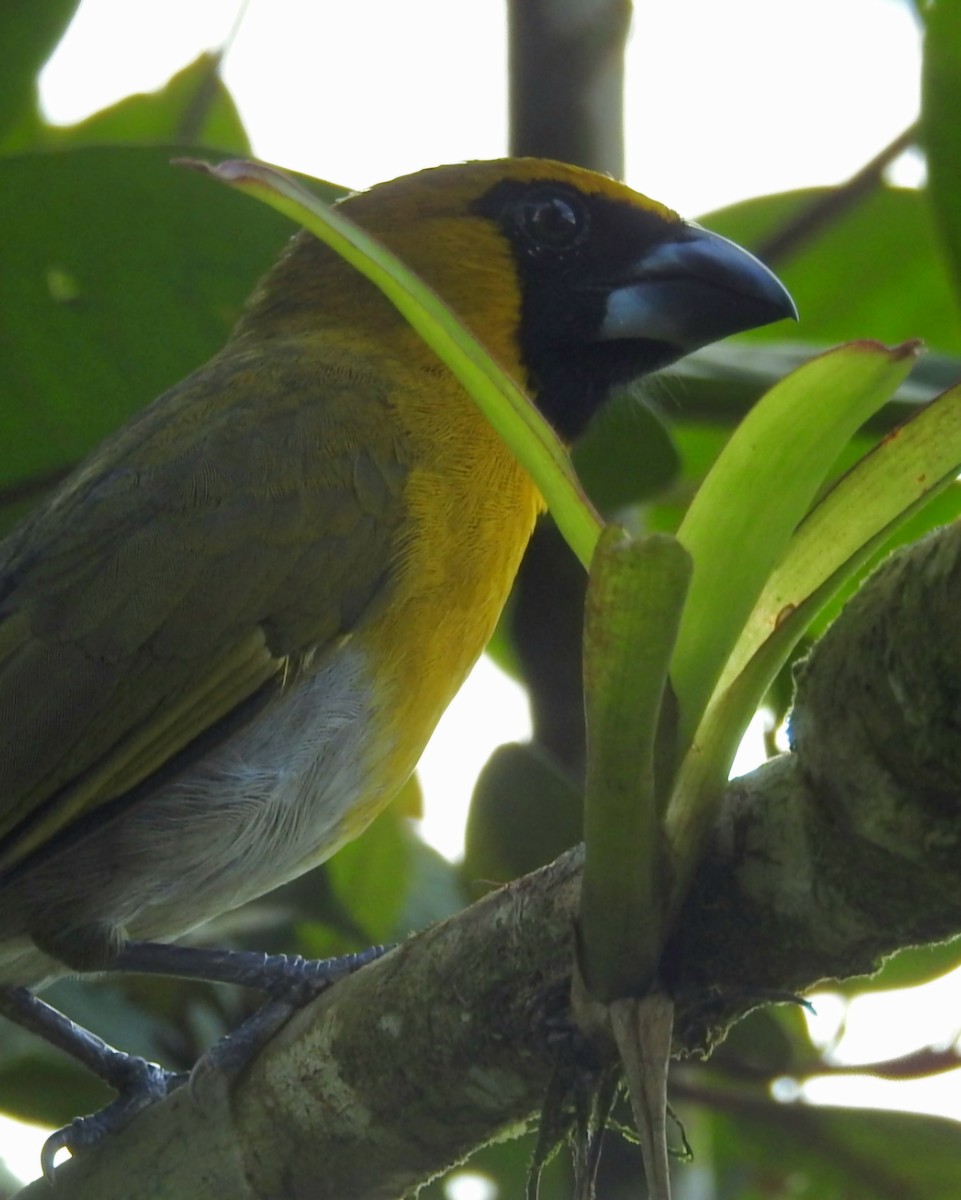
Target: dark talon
<point x="146" y="1083"/>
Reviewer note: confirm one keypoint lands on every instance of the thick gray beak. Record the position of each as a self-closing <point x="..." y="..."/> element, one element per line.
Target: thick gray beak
<point x="693" y="289"/>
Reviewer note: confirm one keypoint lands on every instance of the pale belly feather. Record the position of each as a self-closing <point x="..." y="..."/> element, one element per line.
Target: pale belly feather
<point x="278" y="797"/>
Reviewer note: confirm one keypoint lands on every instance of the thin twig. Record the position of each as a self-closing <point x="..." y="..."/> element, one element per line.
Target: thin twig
<point x="826" y="209"/>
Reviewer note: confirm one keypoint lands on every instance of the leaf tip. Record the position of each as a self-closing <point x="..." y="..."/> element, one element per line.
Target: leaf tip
<point x="912" y="348"/>
<point x="194" y="164"/>
<point x="231" y="171"/>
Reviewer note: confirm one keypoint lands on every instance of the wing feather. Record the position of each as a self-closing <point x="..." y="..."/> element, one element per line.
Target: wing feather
<point x="233" y="532"/>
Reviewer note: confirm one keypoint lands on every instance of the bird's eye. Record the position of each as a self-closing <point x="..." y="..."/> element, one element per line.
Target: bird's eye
<point x="552" y="221"/>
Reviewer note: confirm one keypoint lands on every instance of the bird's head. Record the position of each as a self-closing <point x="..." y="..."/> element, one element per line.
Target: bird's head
<point x="574" y="282"/>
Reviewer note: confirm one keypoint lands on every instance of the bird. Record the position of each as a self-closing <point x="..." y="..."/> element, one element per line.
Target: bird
<point x="226" y="638"/>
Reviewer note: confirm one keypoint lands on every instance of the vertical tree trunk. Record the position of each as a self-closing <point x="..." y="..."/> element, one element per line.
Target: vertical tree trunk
<point x="566" y="65"/>
<point x="566" y="68"/>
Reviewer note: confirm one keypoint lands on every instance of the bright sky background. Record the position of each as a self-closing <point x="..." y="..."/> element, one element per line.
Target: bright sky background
<point x="724" y="100"/>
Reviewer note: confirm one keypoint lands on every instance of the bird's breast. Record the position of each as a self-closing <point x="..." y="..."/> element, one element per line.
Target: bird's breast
<point x="469" y="512"/>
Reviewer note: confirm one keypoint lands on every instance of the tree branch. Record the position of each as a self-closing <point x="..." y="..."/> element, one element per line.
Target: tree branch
<point x="823" y="861"/>
<point x="827" y="209"/>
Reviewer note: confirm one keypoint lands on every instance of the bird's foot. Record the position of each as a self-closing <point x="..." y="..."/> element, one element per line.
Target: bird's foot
<point x="299" y="980"/>
<point x="291" y="977"/>
<point x="291" y="982"/>
<point x="139" y="1084"/>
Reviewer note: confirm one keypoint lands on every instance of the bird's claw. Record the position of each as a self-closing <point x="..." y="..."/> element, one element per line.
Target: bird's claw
<point x="147" y="1084"/>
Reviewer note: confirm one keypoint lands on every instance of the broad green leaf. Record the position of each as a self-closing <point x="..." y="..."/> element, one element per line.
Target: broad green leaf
<point x="940" y="127"/>
<point x="939" y="509"/>
<point x="41" y="1090"/>
<point x="193" y="108"/>
<point x="758" y="491"/>
<point x="842" y="531"/>
<point x="29" y="33"/>
<point x="436" y="889"/>
<point x="533" y="442"/>
<point x="626" y="456"/>
<point x="704" y="767"/>
<point x="634" y="600"/>
<point x="877" y="272"/>
<point x="524" y="812"/>
<point x="101" y="313"/>
<point x="372" y="877"/>
<point x="761" y="1149"/>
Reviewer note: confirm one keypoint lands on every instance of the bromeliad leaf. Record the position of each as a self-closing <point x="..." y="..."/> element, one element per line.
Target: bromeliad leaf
<point x="634" y="600"/>
<point x="905" y="470"/>
<point x="758" y="491"/>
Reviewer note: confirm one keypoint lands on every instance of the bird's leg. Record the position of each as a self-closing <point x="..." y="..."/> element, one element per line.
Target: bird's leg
<point x="289" y="981"/>
<point x="281" y="976"/>
<point x="138" y="1083"/>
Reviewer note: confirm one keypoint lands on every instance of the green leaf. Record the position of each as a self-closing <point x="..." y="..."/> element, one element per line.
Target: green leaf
<point x="859" y="513"/>
<point x="101" y="313"/>
<point x="526" y="432"/>
<point x="524" y="812"/>
<point x="878" y="272"/>
<point x="194" y="108"/>
<point x="898" y="475"/>
<point x="372" y="876"/>
<point x="721" y="382"/>
<point x="634" y="599"/>
<point x="436" y="889"/>
<point x="763" y="1149"/>
<point x="737" y="530"/>
<point x="29" y="33"/>
<point x="626" y="456"/>
<point x="941" y="130"/>
<point x="908" y="968"/>
<point x="761" y="486"/>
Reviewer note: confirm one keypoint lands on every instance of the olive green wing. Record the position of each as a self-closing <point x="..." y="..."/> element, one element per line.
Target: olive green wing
<point x="240" y="526"/>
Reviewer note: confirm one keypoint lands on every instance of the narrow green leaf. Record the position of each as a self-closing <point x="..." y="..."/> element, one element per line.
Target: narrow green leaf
<point x="907" y="468"/>
<point x="634" y="600"/>
<point x="723" y="381"/>
<point x="518" y="422"/>
<point x="756" y="494"/>
<point x="856" y="516"/>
